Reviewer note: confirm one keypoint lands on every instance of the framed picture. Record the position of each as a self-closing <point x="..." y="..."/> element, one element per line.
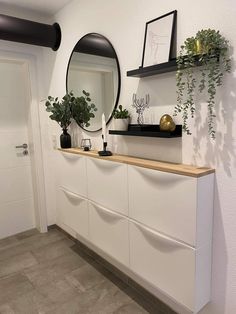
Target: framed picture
<point x="159" y="39"/>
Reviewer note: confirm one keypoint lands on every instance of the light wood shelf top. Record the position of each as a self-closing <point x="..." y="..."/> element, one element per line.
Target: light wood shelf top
<point x="177" y="168"/>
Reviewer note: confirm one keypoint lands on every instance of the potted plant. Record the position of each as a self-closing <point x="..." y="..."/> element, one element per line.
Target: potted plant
<point x="61" y="113"/>
<point x="70" y="107"/>
<point x="83" y="110"/>
<point x="210" y="50"/>
<point x="122" y="118"/>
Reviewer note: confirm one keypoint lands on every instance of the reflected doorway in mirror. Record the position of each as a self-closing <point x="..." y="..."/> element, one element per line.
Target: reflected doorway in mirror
<point x="94" y="67"/>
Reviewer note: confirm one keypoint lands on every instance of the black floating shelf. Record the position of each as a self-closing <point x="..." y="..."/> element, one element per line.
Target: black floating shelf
<point x="169" y="66"/>
<point x="165" y="67"/>
<point x="148" y="130"/>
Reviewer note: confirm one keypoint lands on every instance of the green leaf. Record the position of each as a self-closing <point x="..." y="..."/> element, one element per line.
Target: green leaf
<point x="213" y="53"/>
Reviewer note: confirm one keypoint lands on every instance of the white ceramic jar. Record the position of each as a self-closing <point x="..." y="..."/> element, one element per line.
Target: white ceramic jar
<point x="121" y="124"/>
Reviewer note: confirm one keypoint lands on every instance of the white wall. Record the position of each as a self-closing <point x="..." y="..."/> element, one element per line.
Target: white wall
<point x="123" y="23"/>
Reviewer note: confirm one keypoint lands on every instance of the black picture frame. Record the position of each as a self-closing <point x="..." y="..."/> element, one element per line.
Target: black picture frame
<point x="160" y="33"/>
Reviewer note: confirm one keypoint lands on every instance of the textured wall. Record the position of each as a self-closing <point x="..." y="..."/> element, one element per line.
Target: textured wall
<point x="123" y="22"/>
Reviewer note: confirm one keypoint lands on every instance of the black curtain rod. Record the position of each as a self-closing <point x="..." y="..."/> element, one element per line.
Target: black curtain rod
<point x="29" y="32"/>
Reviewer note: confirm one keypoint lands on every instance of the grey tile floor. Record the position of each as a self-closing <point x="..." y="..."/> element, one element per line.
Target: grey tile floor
<point x="51" y="274"/>
<point x="42" y="273"/>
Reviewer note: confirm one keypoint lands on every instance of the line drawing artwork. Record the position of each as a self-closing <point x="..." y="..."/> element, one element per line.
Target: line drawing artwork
<point x="159" y="40"/>
<point x="154" y="41"/>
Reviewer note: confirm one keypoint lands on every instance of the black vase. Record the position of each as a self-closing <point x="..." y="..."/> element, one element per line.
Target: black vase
<point x="65" y="139"/>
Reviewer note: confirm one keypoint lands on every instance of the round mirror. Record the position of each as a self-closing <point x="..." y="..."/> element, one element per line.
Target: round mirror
<point x="94" y="68"/>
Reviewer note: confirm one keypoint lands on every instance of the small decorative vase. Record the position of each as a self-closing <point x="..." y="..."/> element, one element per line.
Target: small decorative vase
<point x="121" y="124"/>
<point x="65" y="139"/>
<point x="198" y="46"/>
<point x="201" y="48"/>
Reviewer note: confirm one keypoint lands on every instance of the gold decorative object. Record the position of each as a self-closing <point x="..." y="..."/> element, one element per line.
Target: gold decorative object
<point x="167" y="123"/>
<point x="198" y="46"/>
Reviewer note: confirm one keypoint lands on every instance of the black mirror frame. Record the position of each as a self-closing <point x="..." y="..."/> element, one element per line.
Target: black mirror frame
<point x="118" y="72"/>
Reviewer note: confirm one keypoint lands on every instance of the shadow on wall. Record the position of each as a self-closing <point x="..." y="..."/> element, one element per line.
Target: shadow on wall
<point x="48" y="127"/>
<point x="165" y="149"/>
<point x="162" y="91"/>
<point x="76" y="134"/>
<point x="222" y="150"/>
<point x="220" y="261"/>
<point x="47" y="68"/>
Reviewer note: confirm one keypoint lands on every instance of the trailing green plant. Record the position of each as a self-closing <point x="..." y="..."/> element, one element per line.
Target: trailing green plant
<point x="121" y="113"/>
<point x="83" y="109"/>
<point x="210" y="50"/>
<point x="79" y="108"/>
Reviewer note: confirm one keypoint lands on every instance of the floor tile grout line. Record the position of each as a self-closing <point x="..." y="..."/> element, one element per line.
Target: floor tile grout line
<point x="86" y="257"/>
<point x="131" y="284"/>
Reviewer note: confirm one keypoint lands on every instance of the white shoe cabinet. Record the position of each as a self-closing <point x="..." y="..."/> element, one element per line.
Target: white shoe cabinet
<point x="153" y="219"/>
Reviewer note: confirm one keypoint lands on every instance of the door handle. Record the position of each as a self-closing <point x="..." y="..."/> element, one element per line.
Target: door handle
<point x="24" y="146"/>
<point x="106" y="164"/>
<point x="106" y="213"/>
<point x="73" y="195"/>
<point x="162" y="240"/>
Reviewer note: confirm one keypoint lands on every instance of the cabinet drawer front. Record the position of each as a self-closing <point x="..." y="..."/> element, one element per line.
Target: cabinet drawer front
<point x="72" y="210"/>
<point x="71" y="173"/>
<point x="166" y="264"/>
<point x="109" y="232"/>
<point x="164" y="201"/>
<point x="107" y="184"/>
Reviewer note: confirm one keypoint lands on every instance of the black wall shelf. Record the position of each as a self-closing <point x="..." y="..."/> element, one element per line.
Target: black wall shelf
<point x="148" y="130"/>
<point x="169" y="66"/>
<point x="165" y="67"/>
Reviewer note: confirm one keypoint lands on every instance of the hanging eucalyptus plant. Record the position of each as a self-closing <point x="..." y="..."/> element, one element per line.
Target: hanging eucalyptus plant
<point x="210" y="50"/>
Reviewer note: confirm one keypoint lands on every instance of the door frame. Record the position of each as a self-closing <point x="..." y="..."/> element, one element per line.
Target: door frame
<point x="30" y="62"/>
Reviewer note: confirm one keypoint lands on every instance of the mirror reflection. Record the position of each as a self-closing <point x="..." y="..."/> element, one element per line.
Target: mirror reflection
<point x="94" y="67"/>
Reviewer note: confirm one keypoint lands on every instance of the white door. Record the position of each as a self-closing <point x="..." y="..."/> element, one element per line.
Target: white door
<point x="17" y="212"/>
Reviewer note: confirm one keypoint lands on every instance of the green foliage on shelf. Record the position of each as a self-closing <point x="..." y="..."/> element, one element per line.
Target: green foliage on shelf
<point x="210" y="50"/>
<point x="121" y="113"/>
<point x="79" y="108"/>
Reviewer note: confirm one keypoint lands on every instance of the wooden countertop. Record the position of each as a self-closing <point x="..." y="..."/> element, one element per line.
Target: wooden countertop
<point x="177" y="168"/>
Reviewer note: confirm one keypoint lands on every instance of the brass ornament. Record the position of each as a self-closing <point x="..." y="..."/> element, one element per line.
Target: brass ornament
<point x="167" y="123"/>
